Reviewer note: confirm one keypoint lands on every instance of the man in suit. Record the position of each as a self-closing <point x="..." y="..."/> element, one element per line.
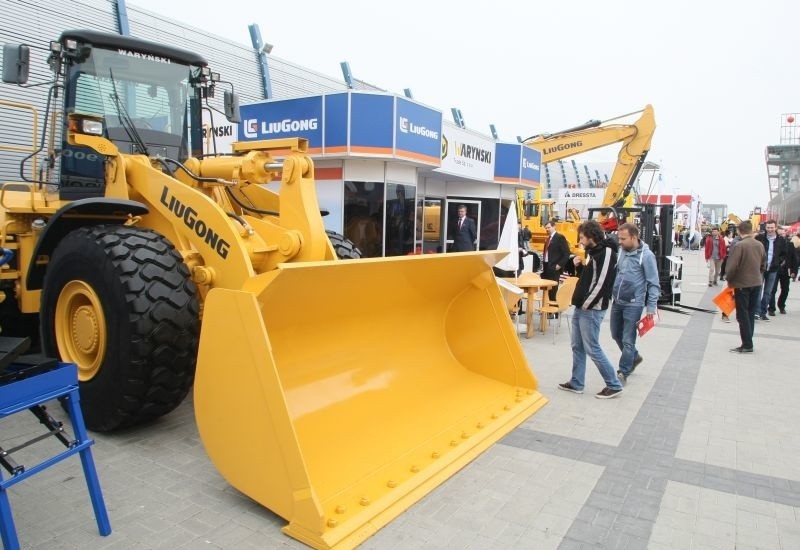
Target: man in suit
<point x="555" y="256"/>
<point x="465" y="232"/>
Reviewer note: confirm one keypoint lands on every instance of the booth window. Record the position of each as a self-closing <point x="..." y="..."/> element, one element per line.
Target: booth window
<point x="363" y="216"/>
<point x="400" y="217"/>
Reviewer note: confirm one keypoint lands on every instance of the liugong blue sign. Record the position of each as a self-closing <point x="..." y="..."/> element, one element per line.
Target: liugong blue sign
<point x="301" y="117"/>
<point x="418" y="132"/>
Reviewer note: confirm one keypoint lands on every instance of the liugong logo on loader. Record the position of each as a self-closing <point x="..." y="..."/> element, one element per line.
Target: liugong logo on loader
<point x="188" y="215"/>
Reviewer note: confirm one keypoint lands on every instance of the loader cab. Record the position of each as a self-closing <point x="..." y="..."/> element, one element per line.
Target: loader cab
<point x="147" y="96"/>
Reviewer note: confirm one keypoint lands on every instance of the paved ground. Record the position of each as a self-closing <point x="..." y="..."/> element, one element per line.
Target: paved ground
<point x="700" y="451"/>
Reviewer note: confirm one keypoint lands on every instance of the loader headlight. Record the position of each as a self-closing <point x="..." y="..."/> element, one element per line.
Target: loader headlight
<point x="83" y="124"/>
<point x="92" y="127"/>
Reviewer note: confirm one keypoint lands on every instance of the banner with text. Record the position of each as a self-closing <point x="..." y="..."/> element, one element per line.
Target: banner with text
<point x="290" y="118"/>
<point x="466" y="154"/>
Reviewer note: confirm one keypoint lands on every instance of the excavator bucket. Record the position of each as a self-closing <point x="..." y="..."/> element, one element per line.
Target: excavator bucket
<point x="339" y="393"/>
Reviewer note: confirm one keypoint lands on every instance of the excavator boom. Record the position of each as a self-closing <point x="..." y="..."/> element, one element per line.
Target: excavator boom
<point x="635" y="138"/>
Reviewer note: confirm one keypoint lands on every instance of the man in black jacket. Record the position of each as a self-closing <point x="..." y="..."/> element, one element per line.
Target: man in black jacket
<point x="777" y="250"/>
<point x="786" y="272"/>
<point x="555" y="255"/>
<point x="591" y="298"/>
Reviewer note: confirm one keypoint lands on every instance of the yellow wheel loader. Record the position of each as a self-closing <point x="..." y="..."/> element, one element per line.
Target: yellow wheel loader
<point x="335" y="393"/>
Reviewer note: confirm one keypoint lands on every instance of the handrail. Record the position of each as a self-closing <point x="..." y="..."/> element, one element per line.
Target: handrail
<point x="31" y="188"/>
<point x="34" y="133"/>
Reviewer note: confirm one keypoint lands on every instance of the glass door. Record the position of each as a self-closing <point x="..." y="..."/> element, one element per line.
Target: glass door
<point x="430" y="225"/>
<point x="400" y="219"/>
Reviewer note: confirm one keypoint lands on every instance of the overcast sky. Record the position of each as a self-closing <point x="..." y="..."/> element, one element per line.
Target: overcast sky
<point x="719" y="75"/>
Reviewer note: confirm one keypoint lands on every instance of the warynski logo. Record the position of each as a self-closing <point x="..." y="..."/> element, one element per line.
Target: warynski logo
<point x="218" y="131"/>
<point x="474" y="153"/>
<point x="408" y="127"/>
<point x="287" y="125"/>
<point x="145" y="56"/>
<point x="562" y="147"/>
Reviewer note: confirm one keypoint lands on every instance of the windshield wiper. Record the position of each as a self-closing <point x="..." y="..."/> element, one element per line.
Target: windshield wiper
<point x="125" y="119"/>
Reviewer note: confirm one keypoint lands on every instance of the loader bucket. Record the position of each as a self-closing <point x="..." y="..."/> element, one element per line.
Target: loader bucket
<point x="337" y="394"/>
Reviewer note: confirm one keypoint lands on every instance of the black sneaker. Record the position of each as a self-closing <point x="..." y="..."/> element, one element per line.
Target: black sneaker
<point x="608" y="393"/>
<point x="772" y="313"/>
<point x="741" y="349"/>
<point x="710" y="284"/>
<point x="567" y="386"/>
<point x="783" y="311"/>
<point x="764" y="318"/>
<point x="637" y="361"/>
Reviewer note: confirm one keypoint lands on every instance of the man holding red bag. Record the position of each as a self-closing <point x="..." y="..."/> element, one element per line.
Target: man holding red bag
<point x="636" y="289"/>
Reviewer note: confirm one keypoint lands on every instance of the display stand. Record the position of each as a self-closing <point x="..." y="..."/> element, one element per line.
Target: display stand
<point x="25" y="386"/>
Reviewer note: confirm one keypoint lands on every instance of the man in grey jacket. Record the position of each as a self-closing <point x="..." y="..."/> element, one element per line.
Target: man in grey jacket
<point x="636" y="286"/>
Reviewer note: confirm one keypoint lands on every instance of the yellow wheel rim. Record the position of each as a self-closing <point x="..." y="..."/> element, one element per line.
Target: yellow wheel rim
<point x="80" y="328"/>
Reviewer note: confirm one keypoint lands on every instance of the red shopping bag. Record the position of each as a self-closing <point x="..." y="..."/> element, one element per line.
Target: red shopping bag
<point x="725" y="301"/>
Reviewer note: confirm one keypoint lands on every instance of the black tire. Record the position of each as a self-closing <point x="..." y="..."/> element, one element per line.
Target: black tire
<point x="150" y="310"/>
<point x="344" y="247"/>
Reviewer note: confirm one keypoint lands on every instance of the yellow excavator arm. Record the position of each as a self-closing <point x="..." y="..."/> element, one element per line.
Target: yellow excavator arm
<point x="635" y="138"/>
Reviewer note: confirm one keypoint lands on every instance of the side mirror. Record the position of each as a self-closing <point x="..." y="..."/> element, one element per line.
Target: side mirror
<point x="16" y="61"/>
<point x="231" y="106"/>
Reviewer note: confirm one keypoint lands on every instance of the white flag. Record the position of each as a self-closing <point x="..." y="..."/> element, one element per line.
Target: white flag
<point x="694" y="217"/>
<point x="509" y="241"/>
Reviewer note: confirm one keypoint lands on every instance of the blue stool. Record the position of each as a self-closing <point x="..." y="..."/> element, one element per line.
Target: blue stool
<point x="26" y="387"/>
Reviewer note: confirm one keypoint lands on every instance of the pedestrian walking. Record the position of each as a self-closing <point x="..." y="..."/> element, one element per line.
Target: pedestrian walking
<point x="786" y="272"/>
<point x="728" y="239"/>
<point x="715" y="254"/>
<point x="746" y="264"/>
<point x="636" y="286"/>
<point x="731" y="245"/>
<point x="776" y="249"/>
<point x="591" y="299"/>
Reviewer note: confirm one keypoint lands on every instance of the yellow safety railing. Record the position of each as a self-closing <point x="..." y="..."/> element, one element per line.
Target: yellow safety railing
<point x="34" y="131"/>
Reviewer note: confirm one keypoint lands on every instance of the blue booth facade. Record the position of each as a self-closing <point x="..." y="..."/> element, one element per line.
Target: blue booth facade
<point x="391" y="172"/>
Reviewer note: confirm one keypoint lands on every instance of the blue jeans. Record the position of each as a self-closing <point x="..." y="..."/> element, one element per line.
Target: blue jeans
<point x="585" y="341"/>
<point x="770" y="278"/>
<point x="623" y="331"/>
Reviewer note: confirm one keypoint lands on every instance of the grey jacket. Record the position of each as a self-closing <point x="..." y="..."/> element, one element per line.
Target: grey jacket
<point x="637" y="281"/>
